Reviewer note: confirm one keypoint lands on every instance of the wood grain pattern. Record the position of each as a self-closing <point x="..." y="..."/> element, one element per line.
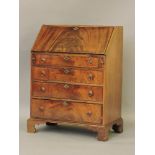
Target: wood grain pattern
<point x="73" y="39"/>
<point x="71" y="75"/>
<point x="67" y="91"/>
<point x="66" y="111"/>
<point x="76" y="78"/>
<point x="62" y="99"/>
<point x="102" y="131"/>
<point x="68" y="60"/>
<point x="113" y="77"/>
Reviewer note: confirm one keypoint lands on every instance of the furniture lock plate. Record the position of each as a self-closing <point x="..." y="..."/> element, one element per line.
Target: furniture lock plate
<point x="90" y="93"/>
<point x="65" y="103"/>
<point x="66" y="71"/>
<point x="66" y="58"/>
<point x="66" y="86"/>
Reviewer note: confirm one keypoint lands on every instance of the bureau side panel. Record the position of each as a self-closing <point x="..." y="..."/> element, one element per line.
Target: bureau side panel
<point x="30" y="83"/>
<point x="113" y="77"/>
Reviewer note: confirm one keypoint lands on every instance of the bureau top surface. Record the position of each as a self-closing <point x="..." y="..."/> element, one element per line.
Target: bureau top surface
<point x="73" y="39"/>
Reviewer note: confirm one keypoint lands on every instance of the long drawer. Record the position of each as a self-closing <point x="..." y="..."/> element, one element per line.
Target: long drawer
<point x="66" y="111"/>
<point x="67" y="91"/>
<point x="85" y="76"/>
<point x="68" y="60"/>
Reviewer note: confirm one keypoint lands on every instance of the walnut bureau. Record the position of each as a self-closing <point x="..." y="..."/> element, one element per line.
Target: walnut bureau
<point x="76" y="78"/>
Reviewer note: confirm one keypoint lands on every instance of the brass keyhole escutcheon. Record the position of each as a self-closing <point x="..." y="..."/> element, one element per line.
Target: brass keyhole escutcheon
<point x="65" y="103"/>
<point x="90" y="76"/>
<point x="66" y="58"/>
<point x="66" y="86"/>
<point x="90" y="60"/>
<point x="90" y="93"/>
<point x="75" y="28"/>
<point x="66" y="71"/>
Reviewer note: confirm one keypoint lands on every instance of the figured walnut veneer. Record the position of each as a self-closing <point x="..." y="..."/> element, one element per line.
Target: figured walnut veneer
<point x="76" y="78"/>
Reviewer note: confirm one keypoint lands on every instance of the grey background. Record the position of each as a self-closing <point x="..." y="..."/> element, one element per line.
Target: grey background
<point x="64" y="140"/>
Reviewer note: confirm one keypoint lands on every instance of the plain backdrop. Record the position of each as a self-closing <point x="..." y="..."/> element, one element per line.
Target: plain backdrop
<point x="34" y="13"/>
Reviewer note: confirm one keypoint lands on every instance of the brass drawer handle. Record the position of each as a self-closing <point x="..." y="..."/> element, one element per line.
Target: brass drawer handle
<point x="41" y="108"/>
<point x="89" y="113"/>
<point x="90" y="60"/>
<point x="75" y="28"/>
<point x="42" y="89"/>
<point x="90" y="76"/>
<point x="66" y="86"/>
<point x="66" y="71"/>
<point x="43" y="73"/>
<point x="102" y="60"/>
<point x="66" y="58"/>
<point x="90" y="93"/>
<point x="43" y="60"/>
<point x="33" y="59"/>
<point x="65" y="103"/>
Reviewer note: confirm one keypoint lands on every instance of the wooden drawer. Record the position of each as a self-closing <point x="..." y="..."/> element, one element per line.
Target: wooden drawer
<point x="66" y="111"/>
<point x="67" y="91"/>
<point x="68" y="75"/>
<point x="68" y="60"/>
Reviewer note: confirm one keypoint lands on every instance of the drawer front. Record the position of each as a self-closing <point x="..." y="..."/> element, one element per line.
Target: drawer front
<point x="66" y="111"/>
<point x="68" y="60"/>
<point x="67" y="91"/>
<point x="68" y="75"/>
